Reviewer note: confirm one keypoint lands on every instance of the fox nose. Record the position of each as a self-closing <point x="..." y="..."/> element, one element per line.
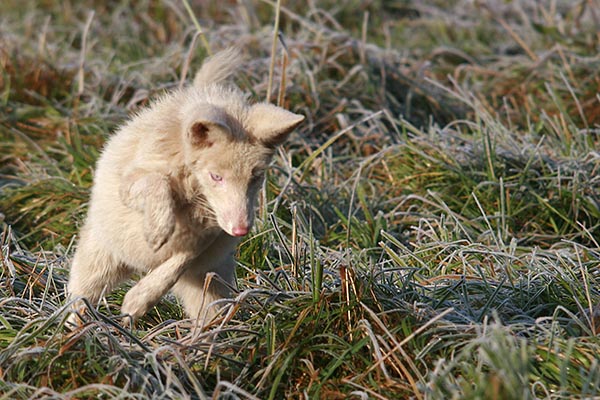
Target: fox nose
<point x="239" y="230"/>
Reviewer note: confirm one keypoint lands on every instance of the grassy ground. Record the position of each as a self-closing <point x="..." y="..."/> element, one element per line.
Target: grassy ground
<point x="431" y="231"/>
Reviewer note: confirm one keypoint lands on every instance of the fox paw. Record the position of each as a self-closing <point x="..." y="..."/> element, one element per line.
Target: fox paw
<point x="74" y="321"/>
<point x="135" y="303"/>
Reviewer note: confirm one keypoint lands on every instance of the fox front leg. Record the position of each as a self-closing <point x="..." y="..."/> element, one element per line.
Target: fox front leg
<point x="150" y="194"/>
<point x="148" y="291"/>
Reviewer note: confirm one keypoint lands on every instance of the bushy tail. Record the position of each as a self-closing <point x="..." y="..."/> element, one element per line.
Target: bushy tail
<point x="218" y="67"/>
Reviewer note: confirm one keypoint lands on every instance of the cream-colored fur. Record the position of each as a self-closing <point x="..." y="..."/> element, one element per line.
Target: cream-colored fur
<point x="175" y="188"/>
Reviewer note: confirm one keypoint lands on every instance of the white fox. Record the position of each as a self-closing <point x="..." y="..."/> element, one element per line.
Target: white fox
<point x="174" y="190"/>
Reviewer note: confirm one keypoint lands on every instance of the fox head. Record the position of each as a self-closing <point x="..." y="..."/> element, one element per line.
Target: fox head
<point x="228" y="143"/>
<point x="228" y="149"/>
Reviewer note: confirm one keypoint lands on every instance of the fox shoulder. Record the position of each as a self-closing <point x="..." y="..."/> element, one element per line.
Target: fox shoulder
<point x="218" y="67"/>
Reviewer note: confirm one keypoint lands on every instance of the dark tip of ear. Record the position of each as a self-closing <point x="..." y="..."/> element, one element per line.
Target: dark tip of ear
<point x="199" y="134"/>
<point x="272" y="142"/>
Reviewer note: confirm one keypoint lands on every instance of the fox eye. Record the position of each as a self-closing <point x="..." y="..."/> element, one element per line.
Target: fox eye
<point x="216" y="177"/>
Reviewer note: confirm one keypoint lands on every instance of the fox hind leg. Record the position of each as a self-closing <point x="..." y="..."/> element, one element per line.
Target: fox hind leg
<point x="94" y="271"/>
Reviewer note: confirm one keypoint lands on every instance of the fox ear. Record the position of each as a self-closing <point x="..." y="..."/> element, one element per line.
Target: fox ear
<point x="207" y="128"/>
<point x="270" y="124"/>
